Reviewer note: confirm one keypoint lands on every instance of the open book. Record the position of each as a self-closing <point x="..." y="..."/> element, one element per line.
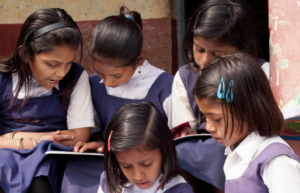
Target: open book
<point x="202" y="137"/>
<point x="74" y="153"/>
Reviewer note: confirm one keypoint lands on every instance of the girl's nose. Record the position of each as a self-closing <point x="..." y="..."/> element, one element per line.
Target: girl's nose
<point x="205" y="59"/>
<point x="210" y="128"/>
<point x="62" y="71"/>
<point x="138" y="175"/>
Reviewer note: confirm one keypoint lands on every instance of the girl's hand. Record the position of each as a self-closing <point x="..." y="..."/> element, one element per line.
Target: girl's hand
<point x="56" y="137"/>
<point x="82" y="146"/>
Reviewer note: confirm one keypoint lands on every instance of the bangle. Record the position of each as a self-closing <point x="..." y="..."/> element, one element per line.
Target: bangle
<point x="33" y="141"/>
<point x="18" y="143"/>
<point x="11" y="136"/>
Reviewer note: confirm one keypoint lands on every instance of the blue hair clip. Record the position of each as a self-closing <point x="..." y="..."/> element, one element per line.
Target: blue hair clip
<point x="229" y="93"/>
<point x="129" y="17"/>
<point x="221" y="89"/>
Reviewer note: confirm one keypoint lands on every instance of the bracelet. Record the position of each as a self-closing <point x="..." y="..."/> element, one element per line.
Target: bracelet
<point x="33" y="141"/>
<point x="18" y="143"/>
<point x="11" y="136"/>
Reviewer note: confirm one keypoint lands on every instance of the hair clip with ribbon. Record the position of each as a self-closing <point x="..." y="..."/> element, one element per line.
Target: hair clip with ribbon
<point x="108" y="142"/>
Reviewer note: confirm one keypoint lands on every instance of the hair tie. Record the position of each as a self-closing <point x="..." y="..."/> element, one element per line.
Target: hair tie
<point x="49" y="28"/>
<point x="129" y="17"/>
<point x="108" y="142"/>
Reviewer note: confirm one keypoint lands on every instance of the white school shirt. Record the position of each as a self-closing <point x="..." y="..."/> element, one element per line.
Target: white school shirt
<point x="182" y="111"/>
<point x="137" y="87"/>
<point x="281" y="174"/>
<point x="133" y="188"/>
<point x="80" y="110"/>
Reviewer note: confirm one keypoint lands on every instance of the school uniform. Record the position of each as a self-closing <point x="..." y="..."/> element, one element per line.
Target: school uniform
<point x="151" y="84"/>
<point x="175" y="185"/>
<point x="45" y="109"/>
<point x="203" y="160"/>
<point x="262" y="164"/>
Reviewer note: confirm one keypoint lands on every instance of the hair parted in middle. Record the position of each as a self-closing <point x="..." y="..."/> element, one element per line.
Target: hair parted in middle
<point x="118" y="38"/>
<point x="139" y="125"/>
<point x="253" y="101"/>
<point x="228" y="22"/>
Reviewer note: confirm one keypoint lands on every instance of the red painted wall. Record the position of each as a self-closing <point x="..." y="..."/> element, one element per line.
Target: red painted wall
<point x="158" y="42"/>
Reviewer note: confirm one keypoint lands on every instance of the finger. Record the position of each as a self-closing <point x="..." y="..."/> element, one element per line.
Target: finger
<point x="84" y="148"/>
<point x="90" y="146"/>
<point x="56" y="132"/>
<point x="78" y="146"/>
<point x="183" y="133"/>
<point x="100" y="149"/>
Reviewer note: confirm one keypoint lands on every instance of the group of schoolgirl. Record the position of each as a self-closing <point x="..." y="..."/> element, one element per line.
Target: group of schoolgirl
<point x="49" y="102"/>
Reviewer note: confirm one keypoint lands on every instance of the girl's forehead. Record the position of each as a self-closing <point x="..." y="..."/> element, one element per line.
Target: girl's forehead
<point x="212" y="44"/>
<point x="136" y="155"/>
<point x="209" y="107"/>
<point x="106" y="61"/>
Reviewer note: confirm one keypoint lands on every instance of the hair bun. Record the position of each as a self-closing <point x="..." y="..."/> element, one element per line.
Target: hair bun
<point x="134" y="14"/>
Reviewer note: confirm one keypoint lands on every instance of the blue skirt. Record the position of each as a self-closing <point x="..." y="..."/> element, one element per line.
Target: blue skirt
<point x="204" y="160"/>
<point x="19" y="167"/>
<point x="82" y="174"/>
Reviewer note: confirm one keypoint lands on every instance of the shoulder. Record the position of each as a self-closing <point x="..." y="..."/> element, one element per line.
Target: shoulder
<point x="178" y="185"/>
<point x="94" y="78"/>
<point x="154" y="71"/>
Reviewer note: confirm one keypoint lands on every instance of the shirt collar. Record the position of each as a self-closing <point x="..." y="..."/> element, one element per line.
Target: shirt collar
<point x="247" y="148"/>
<point x="34" y="83"/>
<point x="150" y="190"/>
<point x="139" y="74"/>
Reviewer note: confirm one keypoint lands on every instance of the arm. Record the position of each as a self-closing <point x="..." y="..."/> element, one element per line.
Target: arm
<point x="167" y="105"/>
<point x="282" y="174"/>
<point x="26" y="143"/>
<point x="181" y="109"/>
<point x="80" y="115"/>
<point x="183" y="118"/>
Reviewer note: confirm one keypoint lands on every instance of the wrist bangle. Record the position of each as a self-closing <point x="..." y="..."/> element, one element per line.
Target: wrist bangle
<point x="33" y="141"/>
<point x="18" y="143"/>
<point x="11" y="136"/>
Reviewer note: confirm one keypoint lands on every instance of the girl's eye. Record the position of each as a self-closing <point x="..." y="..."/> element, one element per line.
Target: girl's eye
<point x="200" y="50"/>
<point x="126" y="167"/>
<point x="147" y="165"/>
<point x="53" y="66"/>
<point x="216" y="120"/>
<point x="117" y="77"/>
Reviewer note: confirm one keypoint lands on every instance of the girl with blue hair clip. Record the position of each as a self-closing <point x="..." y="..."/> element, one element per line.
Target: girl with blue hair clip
<point x="235" y="96"/>
<point x="215" y="28"/>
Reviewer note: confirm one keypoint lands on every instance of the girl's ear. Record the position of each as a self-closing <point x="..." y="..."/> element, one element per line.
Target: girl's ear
<point x="20" y="51"/>
<point x="141" y="59"/>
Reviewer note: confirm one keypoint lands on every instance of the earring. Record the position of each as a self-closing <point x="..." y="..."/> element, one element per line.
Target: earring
<point x="139" y="70"/>
<point x="26" y="61"/>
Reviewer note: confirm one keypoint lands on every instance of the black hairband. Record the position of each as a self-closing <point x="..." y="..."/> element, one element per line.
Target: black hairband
<point x="49" y="28"/>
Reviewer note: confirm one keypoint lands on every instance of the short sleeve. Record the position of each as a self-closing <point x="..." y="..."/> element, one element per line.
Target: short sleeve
<point x="181" y="109"/>
<point x="80" y="110"/>
<point x="282" y="174"/>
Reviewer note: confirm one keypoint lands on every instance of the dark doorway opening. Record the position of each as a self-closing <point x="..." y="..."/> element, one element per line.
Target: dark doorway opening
<point x="260" y="12"/>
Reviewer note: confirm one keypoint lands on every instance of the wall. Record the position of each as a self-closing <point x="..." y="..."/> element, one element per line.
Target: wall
<point x="284" y="57"/>
<point x="156" y="14"/>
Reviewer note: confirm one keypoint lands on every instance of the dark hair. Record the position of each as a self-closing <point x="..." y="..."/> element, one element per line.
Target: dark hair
<point x="139" y="125"/>
<point x="68" y="36"/>
<point x="253" y="100"/>
<point x="118" y="38"/>
<point x="229" y="22"/>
